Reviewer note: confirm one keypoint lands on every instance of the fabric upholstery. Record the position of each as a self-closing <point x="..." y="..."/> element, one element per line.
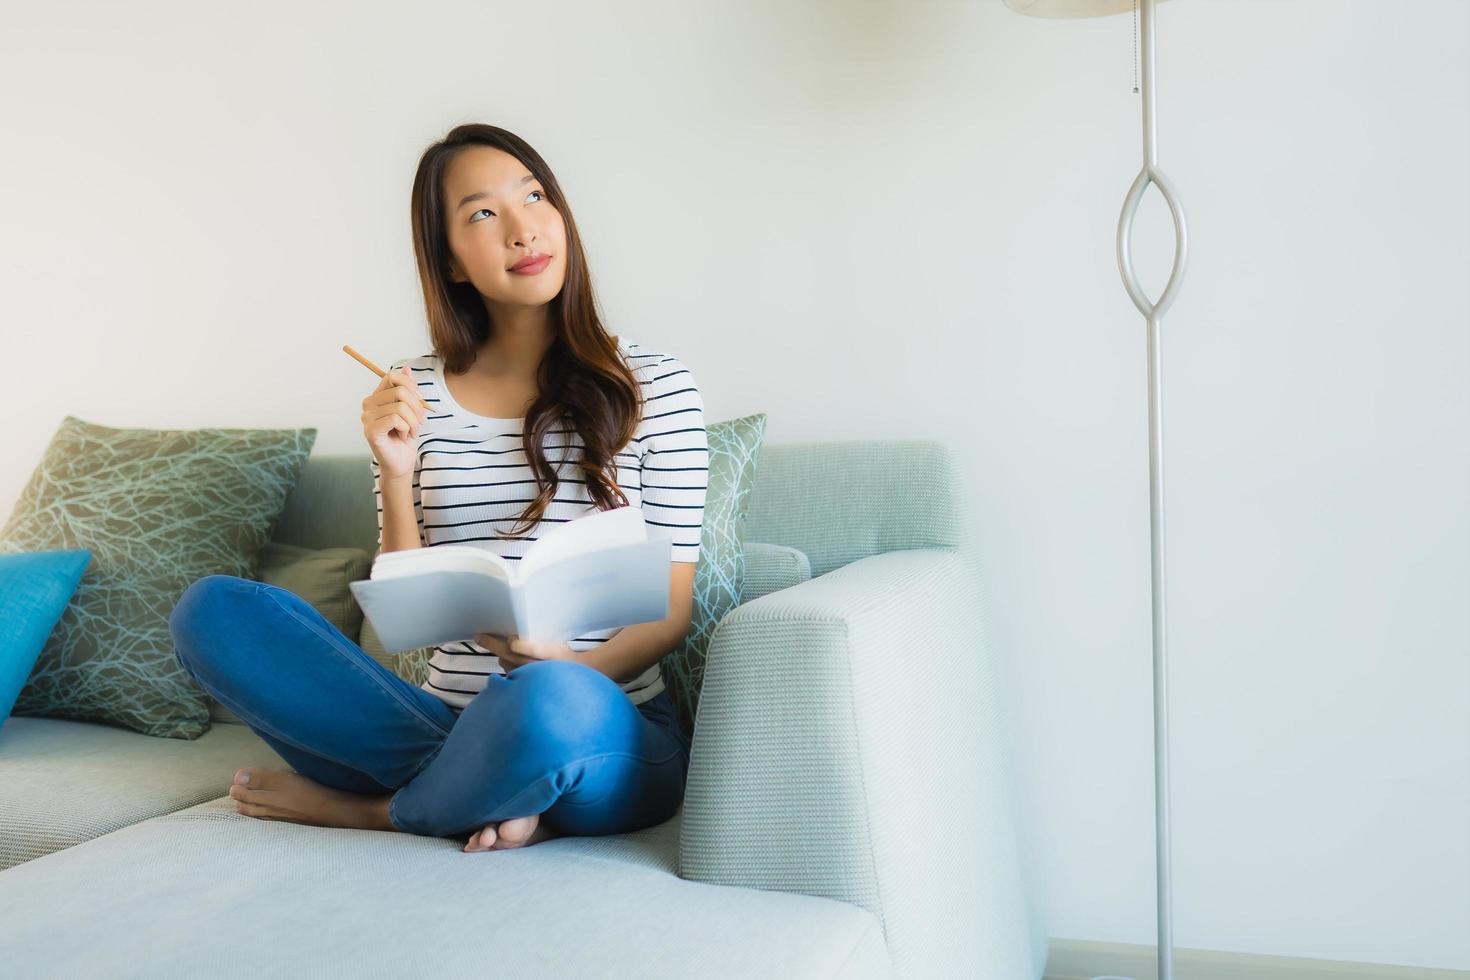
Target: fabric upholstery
<point x="63" y="782"/>
<point x="857" y="713"/>
<point x="771" y="567"/>
<point x="839" y="501"/>
<point x="158" y="508"/>
<point x="209" y="892"/>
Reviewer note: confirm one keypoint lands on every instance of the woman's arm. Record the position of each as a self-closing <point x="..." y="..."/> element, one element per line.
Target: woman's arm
<point x="400" y="523"/>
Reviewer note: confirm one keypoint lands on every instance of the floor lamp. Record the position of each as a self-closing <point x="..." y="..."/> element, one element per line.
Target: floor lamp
<point x="1153" y="314"/>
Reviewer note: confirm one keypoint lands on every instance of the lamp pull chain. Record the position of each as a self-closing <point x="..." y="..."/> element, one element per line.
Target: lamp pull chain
<point x="1135" y="47"/>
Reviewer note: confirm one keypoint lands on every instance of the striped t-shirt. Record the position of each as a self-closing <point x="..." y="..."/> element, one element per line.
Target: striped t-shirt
<point x="472" y="479"/>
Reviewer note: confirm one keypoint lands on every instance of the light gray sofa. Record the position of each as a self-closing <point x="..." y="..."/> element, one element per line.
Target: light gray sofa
<point x="847" y="813"/>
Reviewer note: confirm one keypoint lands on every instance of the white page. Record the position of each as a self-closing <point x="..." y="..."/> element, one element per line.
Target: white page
<point x="591" y="532"/>
<point x="609" y="587"/>
<point x="443" y="557"/>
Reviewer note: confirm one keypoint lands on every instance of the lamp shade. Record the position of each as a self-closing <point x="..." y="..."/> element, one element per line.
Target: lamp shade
<point x="1071" y="8"/>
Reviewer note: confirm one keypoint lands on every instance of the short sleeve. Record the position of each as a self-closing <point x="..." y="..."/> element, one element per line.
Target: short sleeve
<point x="673" y="457"/>
<point x="418" y="507"/>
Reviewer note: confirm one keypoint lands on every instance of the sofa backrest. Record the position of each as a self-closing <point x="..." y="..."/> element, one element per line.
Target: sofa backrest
<point x="835" y="501"/>
<point x="840" y="500"/>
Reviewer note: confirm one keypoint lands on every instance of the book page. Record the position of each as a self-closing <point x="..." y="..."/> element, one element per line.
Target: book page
<point x="591" y="532"/>
<point x="605" y="588"/>
<point x="412" y="611"/>
<point x="441" y="557"/>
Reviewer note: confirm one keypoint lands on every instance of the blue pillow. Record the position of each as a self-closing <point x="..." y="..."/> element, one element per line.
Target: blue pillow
<point x="35" y="587"/>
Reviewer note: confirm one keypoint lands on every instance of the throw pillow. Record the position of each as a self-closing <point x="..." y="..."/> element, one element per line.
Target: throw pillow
<point x="34" y="590"/>
<point x="318" y="575"/>
<point x="158" y="509"/>
<point x="734" y="452"/>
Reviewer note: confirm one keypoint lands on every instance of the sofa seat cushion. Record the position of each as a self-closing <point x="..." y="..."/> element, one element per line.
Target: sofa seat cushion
<point x="206" y="891"/>
<point x="63" y="781"/>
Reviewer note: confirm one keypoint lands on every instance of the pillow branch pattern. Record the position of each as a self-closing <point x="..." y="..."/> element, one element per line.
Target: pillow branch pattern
<point x="734" y="453"/>
<point x="158" y="508"/>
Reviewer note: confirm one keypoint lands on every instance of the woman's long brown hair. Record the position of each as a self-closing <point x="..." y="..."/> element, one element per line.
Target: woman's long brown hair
<point x="583" y="380"/>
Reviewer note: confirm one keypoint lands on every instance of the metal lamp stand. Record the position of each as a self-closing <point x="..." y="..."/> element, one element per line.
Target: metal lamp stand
<point x="1153" y="315"/>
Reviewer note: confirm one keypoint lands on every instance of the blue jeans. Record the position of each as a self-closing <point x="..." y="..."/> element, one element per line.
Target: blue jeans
<point x="554" y="737"/>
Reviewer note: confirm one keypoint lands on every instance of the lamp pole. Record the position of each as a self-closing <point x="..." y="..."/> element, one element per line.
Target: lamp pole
<point x="1153" y="315"/>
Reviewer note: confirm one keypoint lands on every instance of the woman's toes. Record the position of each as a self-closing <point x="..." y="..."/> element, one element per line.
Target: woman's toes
<point x="515" y="832"/>
<point x="255" y="777"/>
<point x="481" y="839"/>
<point x="508" y="834"/>
<point x="249" y="782"/>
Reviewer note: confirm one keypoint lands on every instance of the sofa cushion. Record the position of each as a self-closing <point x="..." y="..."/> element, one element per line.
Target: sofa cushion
<point x="63" y="782"/>
<point x="209" y="892"/>
<point x="158" y="508"/>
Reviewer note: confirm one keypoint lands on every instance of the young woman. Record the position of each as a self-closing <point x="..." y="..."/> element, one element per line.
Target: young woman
<point x="538" y="416"/>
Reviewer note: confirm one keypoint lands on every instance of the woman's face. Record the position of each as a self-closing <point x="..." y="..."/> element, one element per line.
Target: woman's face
<point x="496" y="214"/>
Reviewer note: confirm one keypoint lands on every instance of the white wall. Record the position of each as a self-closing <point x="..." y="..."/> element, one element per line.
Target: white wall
<point x="895" y="220"/>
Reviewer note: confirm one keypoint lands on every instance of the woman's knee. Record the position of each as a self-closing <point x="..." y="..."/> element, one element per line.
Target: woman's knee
<point x="563" y="680"/>
<point x="567" y="698"/>
<point x="204" y="606"/>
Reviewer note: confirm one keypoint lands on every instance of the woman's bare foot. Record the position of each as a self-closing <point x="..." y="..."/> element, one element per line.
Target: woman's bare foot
<point x="515" y="832"/>
<point x="271" y="794"/>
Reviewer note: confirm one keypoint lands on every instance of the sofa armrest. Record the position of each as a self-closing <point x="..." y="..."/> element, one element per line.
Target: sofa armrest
<point x="770" y="568"/>
<point x="848" y="744"/>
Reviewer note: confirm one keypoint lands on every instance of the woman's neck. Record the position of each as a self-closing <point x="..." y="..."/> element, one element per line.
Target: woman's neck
<point x="516" y="344"/>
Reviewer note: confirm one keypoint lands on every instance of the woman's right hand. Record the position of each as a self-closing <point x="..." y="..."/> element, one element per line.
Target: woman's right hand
<point x="391" y="416"/>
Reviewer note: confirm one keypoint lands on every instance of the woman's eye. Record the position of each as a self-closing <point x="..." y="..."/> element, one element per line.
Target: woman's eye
<point x="488" y="211"/>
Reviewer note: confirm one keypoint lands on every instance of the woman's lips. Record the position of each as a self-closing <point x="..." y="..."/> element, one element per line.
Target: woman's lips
<point x="534" y="267"/>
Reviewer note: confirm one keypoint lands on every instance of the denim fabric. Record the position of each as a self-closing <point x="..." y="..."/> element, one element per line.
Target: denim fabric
<point x="554" y="737"/>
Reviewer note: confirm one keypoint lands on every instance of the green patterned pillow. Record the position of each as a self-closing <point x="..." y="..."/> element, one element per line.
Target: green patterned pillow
<point x="734" y="451"/>
<point x="158" y="509"/>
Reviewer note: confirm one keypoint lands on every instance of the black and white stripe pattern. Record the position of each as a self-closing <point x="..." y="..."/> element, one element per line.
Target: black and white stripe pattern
<point x="471" y="479"/>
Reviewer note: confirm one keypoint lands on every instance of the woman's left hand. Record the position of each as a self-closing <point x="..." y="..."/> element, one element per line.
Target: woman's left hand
<point x="515" y="652"/>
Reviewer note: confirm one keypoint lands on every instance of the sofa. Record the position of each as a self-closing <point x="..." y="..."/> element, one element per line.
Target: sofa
<point x="848" y="810"/>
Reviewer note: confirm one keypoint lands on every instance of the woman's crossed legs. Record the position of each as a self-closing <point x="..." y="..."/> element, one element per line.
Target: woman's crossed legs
<point x="553" y="739"/>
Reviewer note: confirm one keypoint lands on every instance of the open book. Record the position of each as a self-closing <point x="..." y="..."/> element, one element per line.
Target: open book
<point x="596" y="572"/>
